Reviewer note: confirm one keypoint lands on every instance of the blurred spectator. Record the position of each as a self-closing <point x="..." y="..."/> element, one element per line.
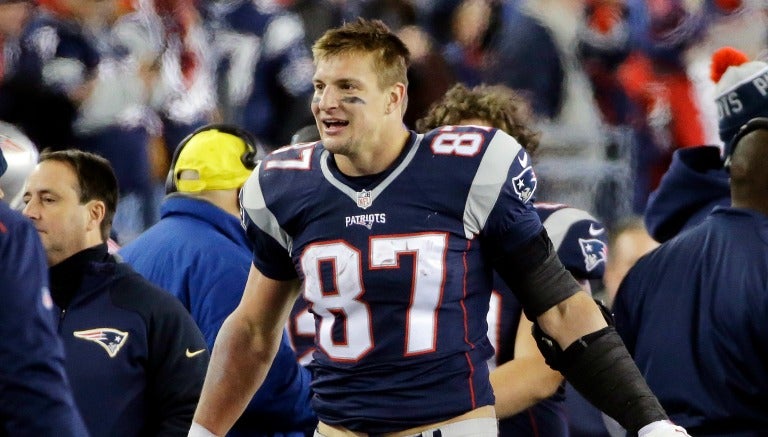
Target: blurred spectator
<point x="114" y="119"/>
<point x="264" y="67"/>
<point x="603" y="45"/>
<point x="693" y="311"/>
<point x="51" y="75"/>
<point x="469" y="23"/>
<point x="496" y="42"/>
<point x="74" y="73"/>
<point x="35" y="396"/>
<point x="318" y="15"/>
<point x="521" y="53"/>
<point x="435" y="16"/>
<point x="634" y="52"/>
<point x="135" y="358"/>
<point x="696" y="181"/>
<point x="199" y="252"/>
<point x="394" y="13"/>
<point x="184" y="91"/>
<point x="429" y="75"/>
<point x="13" y="17"/>
<point x="163" y="47"/>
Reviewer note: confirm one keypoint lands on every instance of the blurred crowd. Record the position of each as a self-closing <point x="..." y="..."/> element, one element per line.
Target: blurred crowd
<point x="129" y="79"/>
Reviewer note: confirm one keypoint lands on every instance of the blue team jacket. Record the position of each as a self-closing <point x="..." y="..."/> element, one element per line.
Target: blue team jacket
<point x="200" y="254"/>
<point x="694" y="184"/>
<point x="134" y="356"/>
<point x="693" y="314"/>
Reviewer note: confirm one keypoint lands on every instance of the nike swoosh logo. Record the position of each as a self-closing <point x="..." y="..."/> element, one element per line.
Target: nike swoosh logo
<point x="595" y="232"/>
<point x="191" y="354"/>
<point x="523" y="160"/>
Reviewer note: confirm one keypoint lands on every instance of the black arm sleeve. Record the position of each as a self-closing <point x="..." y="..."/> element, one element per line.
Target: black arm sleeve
<point x="601" y="369"/>
<point x="536" y="275"/>
<point x="599" y="366"/>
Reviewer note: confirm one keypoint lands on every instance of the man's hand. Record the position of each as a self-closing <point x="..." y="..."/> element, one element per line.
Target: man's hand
<point x="662" y="428"/>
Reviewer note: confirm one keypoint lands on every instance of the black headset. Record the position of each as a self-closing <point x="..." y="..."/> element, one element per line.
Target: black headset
<point x="748" y="127"/>
<point x="248" y="158"/>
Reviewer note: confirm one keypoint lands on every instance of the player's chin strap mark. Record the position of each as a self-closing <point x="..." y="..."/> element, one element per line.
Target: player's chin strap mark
<point x="602" y="356"/>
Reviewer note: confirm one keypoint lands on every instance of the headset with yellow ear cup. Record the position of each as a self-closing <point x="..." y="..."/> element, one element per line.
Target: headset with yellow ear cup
<point x="249" y="157"/>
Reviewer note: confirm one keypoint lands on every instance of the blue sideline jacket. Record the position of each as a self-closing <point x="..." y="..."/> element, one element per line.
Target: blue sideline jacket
<point x="200" y="254"/>
<point x="693" y="315"/>
<point x="135" y="358"/>
<point x="694" y="184"/>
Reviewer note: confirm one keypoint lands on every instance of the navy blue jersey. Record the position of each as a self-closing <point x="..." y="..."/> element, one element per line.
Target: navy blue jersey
<point x="581" y="244"/>
<point x="396" y="268"/>
<point x="693" y="314"/>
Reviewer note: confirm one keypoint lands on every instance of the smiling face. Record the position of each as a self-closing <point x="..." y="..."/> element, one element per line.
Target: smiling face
<point x="65" y="225"/>
<point x="352" y="111"/>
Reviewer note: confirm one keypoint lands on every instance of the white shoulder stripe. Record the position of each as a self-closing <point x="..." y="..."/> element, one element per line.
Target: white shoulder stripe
<point x="489" y="180"/>
<point x="255" y="206"/>
<point x="558" y="223"/>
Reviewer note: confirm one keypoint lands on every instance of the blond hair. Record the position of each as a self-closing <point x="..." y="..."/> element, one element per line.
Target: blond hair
<point x="390" y="55"/>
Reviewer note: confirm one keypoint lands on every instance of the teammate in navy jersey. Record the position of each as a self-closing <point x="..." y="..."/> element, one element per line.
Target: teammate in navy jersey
<point x="395" y="236"/>
<point x="529" y="395"/>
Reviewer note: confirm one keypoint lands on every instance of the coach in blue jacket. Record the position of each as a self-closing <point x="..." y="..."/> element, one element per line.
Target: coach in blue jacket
<point x="135" y="358"/>
<point x="199" y="252"/>
<point x="693" y="312"/>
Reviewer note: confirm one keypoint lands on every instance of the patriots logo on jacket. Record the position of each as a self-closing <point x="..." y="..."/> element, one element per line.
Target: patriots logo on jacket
<point x="524" y="184"/>
<point x="594" y="252"/>
<point x="109" y="338"/>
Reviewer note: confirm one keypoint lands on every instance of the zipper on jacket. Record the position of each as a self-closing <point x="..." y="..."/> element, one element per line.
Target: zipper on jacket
<point x="62" y="313"/>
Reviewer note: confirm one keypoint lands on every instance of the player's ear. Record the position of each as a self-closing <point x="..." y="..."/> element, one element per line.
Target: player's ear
<point x="397" y="98"/>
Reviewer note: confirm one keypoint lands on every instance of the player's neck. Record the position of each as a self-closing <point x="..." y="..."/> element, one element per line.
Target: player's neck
<point x="374" y="160"/>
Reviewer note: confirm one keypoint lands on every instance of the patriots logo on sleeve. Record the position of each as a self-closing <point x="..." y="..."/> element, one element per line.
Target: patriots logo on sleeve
<point x="594" y="252"/>
<point x="524" y="183"/>
<point x="108" y="338"/>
